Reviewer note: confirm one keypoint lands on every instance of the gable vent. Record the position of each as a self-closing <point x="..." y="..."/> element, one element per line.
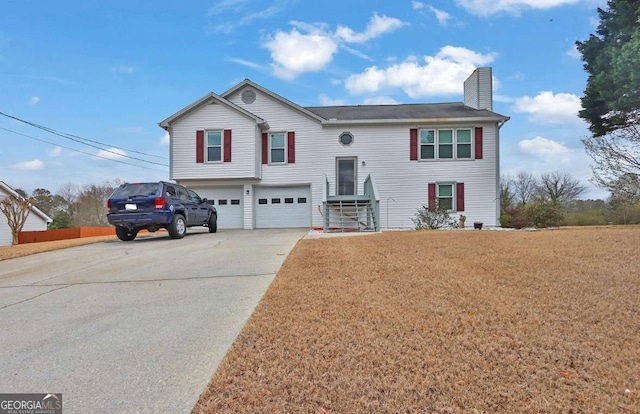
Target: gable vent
<point x="248" y="96"/>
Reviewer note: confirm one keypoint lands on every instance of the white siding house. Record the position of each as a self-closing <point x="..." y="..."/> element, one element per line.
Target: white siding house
<point x="36" y="220"/>
<point x="265" y="161"/>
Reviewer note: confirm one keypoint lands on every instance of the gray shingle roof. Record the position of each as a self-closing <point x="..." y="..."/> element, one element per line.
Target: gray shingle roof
<point x="403" y="111"/>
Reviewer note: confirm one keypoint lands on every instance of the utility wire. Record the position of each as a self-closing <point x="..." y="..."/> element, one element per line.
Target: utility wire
<point x="81" y="139"/>
<point x="83" y="152"/>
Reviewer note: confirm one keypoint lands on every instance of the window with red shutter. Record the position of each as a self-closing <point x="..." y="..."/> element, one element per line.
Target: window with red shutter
<point x="291" y="147"/>
<point x="478" y="143"/>
<point x="227" y="145"/>
<point x="199" y="147"/>
<point x="413" y="144"/>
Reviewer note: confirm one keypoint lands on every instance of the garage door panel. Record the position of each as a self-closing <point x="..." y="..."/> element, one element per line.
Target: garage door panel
<point x="228" y="203"/>
<point x="283" y="207"/>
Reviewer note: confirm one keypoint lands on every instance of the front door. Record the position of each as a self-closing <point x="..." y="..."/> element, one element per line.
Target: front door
<point x="346" y="175"/>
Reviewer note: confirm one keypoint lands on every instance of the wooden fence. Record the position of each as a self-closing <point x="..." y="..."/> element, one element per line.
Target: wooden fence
<point x="63" y="234"/>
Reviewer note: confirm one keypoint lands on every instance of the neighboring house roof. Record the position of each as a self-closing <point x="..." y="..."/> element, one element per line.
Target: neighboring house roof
<point x="404" y="113"/>
<point x="275" y="96"/>
<point x="36" y="210"/>
<point x="203" y="101"/>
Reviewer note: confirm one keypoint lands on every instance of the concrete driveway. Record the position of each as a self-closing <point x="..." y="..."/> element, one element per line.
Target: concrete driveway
<point x="132" y="327"/>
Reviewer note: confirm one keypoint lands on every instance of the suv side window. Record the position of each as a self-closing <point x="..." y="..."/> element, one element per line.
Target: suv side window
<point x="194" y="197"/>
<point x="182" y="194"/>
<point x="171" y="191"/>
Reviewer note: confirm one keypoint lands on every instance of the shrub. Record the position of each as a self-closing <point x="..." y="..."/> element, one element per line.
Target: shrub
<point x="438" y="219"/>
<point x="514" y="218"/>
<point x="544" y="214"/>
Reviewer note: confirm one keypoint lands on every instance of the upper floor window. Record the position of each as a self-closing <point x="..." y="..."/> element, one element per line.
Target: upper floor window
<point x="278" y="148"/>
<point x="445" y="144"/>
<point x="214" y="146"/>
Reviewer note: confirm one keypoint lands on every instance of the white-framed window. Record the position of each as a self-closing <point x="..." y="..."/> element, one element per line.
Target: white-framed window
<point x="427" y="144"/>
<point x="446" y="144"/>
<point x="463" y="144"/>
<point x="446" y="195"/>
<point x="214" y="146"/>
<point x="277" y="148"/>
<point x="346" y="139"/>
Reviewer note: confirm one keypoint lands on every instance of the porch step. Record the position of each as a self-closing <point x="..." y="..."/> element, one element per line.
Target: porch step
<point x="350" y="215"/>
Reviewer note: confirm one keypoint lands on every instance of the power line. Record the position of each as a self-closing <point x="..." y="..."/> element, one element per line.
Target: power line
<point x="83" y="152"/>
<point x="80" y="140"/>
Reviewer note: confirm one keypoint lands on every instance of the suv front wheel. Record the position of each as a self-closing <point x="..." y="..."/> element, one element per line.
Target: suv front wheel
<point x="178" y="227"/>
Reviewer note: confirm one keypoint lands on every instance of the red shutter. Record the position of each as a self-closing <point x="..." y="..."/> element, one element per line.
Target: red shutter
<point x="199" y="146"/>
<point x="227" y="145"/>
<point x="478" y="141"/>
<point x="432" y="196"/>
<point x="265" y="148"/>
<point x="291" y="147"/>
<point x="413" y="142"/>
<point x="460" y="197"/>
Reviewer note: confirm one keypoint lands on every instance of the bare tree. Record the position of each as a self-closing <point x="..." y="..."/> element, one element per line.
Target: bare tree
<point x="507" y="193"/>
<point x="524" y="186"/>
<point x="559" y="189"/>
<point x="615" y="155"/>
<point x="16" y="209"/>
<point x="91" y="204"/>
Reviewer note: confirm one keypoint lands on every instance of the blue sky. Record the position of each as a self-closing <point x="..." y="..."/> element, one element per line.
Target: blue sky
<point x="110" y="71"/>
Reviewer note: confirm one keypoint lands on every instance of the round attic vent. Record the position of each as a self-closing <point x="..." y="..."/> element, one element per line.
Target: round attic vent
<point x="248" y="96"/>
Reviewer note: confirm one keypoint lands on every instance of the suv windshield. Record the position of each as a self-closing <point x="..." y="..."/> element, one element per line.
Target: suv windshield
<point x="136" y="190"/>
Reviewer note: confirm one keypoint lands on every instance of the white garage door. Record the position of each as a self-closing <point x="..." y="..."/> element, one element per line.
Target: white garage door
<point x="280" y="207"/>
<point x="228" y="203"/>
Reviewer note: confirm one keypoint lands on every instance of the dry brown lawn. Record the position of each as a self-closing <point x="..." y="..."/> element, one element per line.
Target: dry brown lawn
<point x="11" y="252"/>
<point x="443" y="321"/>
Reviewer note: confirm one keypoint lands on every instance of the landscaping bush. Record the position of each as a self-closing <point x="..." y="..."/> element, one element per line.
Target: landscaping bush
<point x="439" y="218"/>
<point x="514" y="218"/>
<point x="544" y="214"/>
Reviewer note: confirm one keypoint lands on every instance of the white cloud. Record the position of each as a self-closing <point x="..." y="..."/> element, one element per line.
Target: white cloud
<point x="239" y="13"/>
<point x="294" y="53"/>
<point x="123" y="69"/>
<point x="112" y="154"/>
<point x="34" y="100"/>
<point x="378" y="25"/>
<point x="489" y="7"/>
<point x="541" y="145"/>
<point x="246" y="63"/>
<point x="227" y="5"/>
<point x="442" y="16"/>
<point x="326" y="101"/>
<point x="442" y="74"/>
<point x="380" y="100"/>
<point x="55" y="151"/>
<point x="32" y="165"/>
<point x="416" y="5"/>
<point x="548" y="108"/>
<point x="165" y="139"/>
<point x="573" y="53"/>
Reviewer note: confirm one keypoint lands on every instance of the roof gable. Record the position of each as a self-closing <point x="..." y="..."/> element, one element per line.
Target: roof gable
<point x="203" y="101"/>
<point x="8" y="190"/>
<point x="273" y="95"/>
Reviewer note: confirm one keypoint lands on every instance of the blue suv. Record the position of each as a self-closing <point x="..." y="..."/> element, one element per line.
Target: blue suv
<point x="160" y="205"/>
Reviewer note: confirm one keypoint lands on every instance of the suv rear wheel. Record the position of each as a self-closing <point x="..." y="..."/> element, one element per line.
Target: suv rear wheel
<point x="126" y="234"/>
<point x="178" y="227"/>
